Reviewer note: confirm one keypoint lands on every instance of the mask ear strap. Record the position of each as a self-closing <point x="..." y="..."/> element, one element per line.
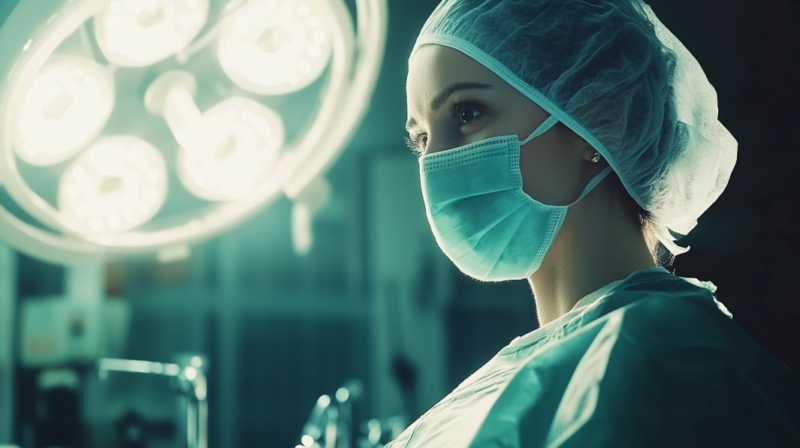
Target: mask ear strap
<point x="544" y="127"/>
<point x="593" y="183"/>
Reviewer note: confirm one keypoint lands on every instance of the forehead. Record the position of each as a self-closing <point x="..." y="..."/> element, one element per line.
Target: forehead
<point x="435" y="67"/>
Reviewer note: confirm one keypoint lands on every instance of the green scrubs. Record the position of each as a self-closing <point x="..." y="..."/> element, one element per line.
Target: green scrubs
<point x="653" y="360"/>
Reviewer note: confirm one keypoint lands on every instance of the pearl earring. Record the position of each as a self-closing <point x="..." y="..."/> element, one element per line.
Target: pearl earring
<point x="596" y="157"/>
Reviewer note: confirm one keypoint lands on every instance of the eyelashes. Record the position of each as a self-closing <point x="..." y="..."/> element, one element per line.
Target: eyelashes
<point x="459" y="111"/>
<point x="462" y="113"/>
<point x="413" y="144"/>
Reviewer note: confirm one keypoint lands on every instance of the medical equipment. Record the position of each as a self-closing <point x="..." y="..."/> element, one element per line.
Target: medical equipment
<point x="331" y="420"/>
<point x="146" y="126"/>
<point x="613" y="73"/>
<point x="330" y="424"/>
<point x="58" y="403"/>
<point x="189" y="381"/>
<point x="135" y="431"/>
<point x="58" y="331"/>
<point x="378" y="433"/>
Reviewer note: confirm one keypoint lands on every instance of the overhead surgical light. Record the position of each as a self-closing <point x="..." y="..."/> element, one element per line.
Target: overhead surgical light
<point x="113" y="110"/>
<point x="277" y="46"/>
<point x="243" y="145"/>
<point x="136" y="33"/>
<point x="119" y="183"/>
<point x="64" y="108"/>
<point x="225" y="152"/>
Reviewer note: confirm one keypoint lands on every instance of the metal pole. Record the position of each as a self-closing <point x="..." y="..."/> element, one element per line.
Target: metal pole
<point x="226" y="408"/>
<point x="8" y="296"/>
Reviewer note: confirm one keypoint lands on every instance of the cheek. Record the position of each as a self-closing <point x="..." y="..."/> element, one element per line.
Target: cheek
<point x="550" y="171"/>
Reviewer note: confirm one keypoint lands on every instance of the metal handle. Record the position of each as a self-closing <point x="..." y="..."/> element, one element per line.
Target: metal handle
<point x="190" y="375"/>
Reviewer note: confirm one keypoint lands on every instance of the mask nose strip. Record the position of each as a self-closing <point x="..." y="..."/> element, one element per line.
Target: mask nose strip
<point x="544" y="127"/>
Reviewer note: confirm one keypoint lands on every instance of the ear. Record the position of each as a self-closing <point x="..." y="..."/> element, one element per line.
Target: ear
<point x="580" y="144"/>
<point x="587" y="151"/>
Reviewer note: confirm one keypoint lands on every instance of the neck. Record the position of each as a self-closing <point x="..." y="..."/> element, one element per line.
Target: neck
<point x="593" y="248"/>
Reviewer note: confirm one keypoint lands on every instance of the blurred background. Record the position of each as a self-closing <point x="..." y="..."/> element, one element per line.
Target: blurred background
<point x="374" y="300"/>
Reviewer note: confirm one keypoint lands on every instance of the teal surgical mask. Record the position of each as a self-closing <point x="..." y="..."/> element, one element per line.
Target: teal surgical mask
<point x="481" y="218"/>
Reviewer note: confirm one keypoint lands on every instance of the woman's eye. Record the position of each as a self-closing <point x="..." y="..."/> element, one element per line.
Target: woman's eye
<point x="417" y="143"/>
<point x="422" y="142"/>
<point x="466" y="113"/>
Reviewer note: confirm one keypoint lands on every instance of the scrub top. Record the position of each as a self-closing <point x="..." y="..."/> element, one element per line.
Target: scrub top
<point x="652" y="360"/>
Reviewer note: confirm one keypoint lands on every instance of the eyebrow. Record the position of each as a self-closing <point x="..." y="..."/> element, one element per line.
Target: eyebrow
<point x="445" y="93"/>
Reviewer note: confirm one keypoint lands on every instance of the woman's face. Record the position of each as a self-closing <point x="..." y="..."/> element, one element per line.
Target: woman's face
<point x="453" y="101"/>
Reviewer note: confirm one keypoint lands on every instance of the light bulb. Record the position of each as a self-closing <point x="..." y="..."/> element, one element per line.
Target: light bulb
<point x="67" y="104"/>
<point x="136" y="33"/>
<point x="119" y="183"/>
<point x="276" y="46"/>
<point x="243" y="141"/>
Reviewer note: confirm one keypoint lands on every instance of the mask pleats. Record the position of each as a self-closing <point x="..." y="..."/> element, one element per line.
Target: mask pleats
<point x="481" y="218"/>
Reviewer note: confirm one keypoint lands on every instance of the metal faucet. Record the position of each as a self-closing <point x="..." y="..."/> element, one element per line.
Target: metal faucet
<point x="189" y="374"/>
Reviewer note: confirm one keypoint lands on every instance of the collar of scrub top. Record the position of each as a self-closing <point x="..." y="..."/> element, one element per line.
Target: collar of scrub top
<point x="546" y="331"/>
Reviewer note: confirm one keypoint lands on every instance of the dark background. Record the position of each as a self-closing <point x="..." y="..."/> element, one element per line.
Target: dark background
<point x="747" y="242"/>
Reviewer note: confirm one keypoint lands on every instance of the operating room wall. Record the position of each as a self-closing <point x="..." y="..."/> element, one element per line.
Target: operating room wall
<point x="281" y="329"/>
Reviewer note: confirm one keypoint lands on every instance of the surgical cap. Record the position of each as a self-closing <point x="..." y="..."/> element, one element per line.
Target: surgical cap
<point x="614" y="74"/>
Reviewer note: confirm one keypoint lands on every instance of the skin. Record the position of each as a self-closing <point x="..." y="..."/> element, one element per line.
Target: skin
<point x="598" y="243"/>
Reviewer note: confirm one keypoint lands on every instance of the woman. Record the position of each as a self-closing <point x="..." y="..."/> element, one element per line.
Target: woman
<point x="561" y="141"/>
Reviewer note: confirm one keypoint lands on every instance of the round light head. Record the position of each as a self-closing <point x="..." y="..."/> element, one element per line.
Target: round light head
<point x="65" y="107"/>
<point x="276" y="46"/>
<point x="119" y="183"/>
<point x="137" y="33"/>
<point x="244" y="141"/>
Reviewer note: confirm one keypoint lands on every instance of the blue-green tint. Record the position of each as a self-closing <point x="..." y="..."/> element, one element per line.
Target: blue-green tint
<point x="614" y="74"/>
<point x="688" y="370"/>
<point x="481" y="218"/>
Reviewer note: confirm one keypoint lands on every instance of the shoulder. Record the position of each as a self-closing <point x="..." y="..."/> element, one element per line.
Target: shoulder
<point x="664" y="310"/>
<point x="667" y="361"/>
